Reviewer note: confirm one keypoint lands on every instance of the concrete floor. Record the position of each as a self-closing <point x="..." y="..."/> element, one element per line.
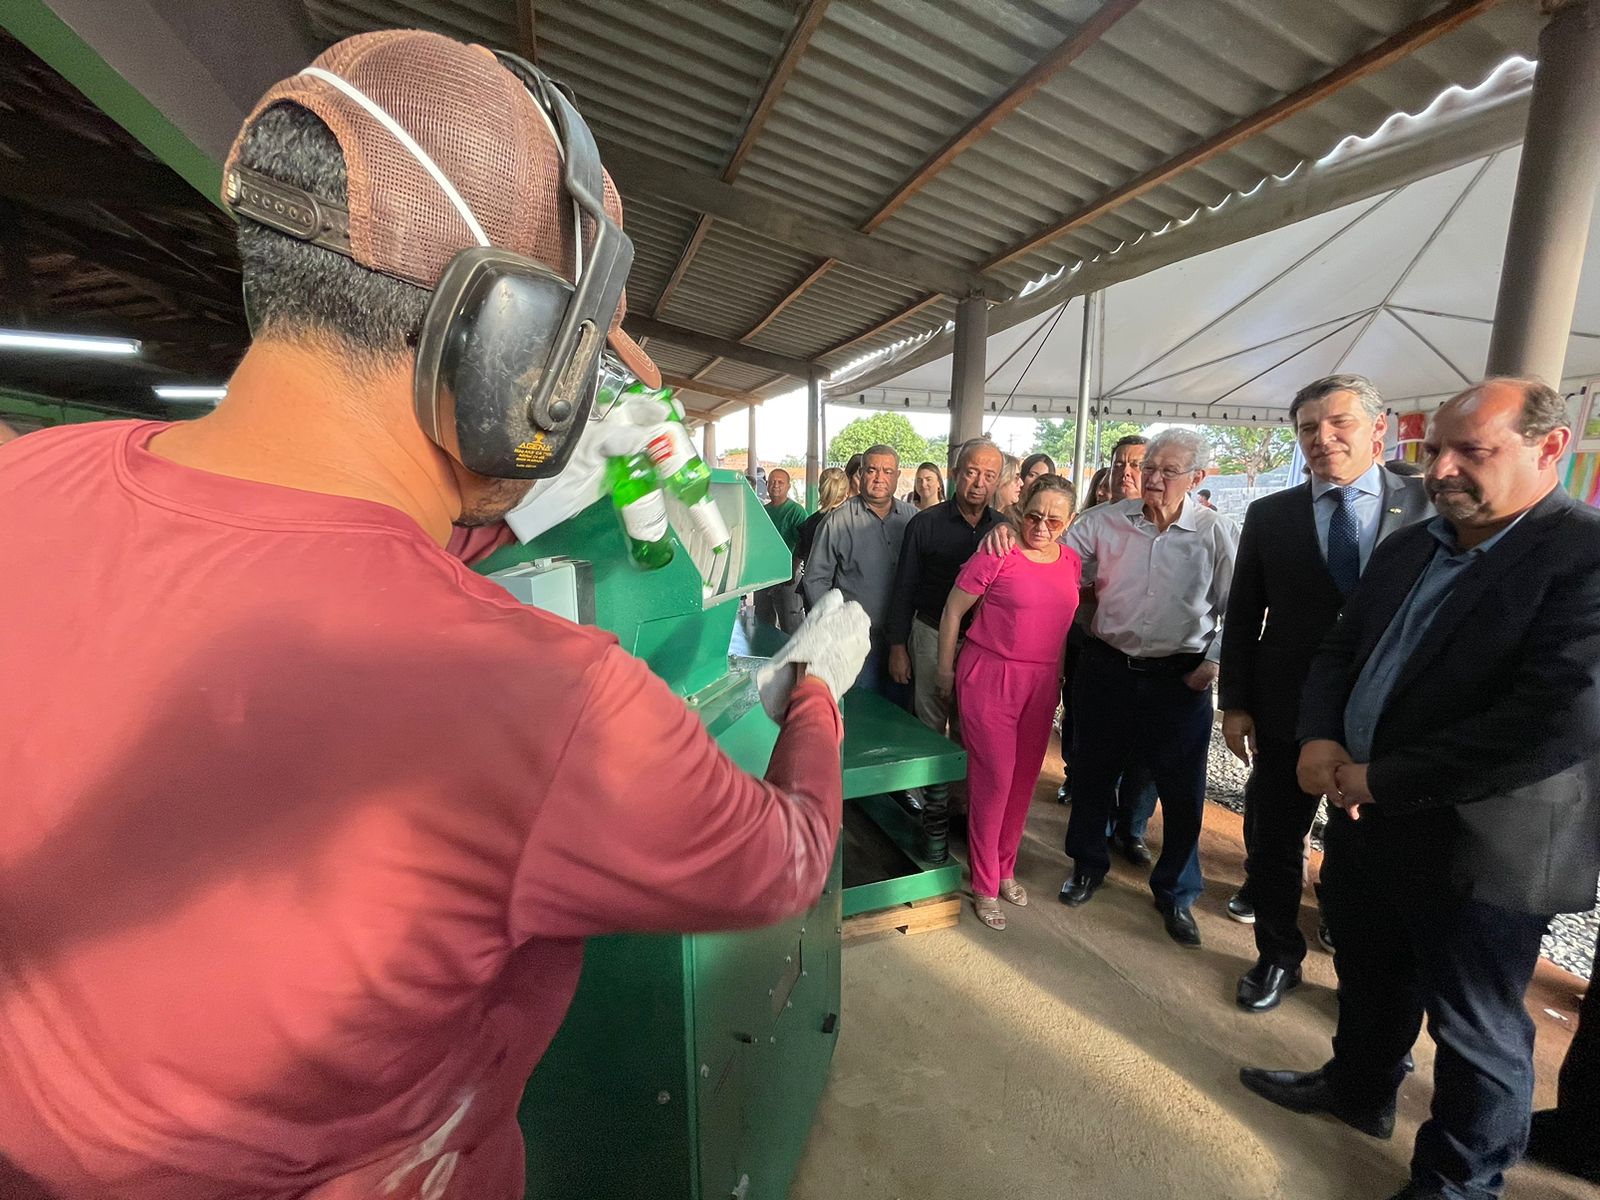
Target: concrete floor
<point x="1082" y="1053"/>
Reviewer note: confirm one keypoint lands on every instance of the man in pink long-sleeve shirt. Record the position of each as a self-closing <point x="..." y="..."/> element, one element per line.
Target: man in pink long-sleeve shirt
<point x="302" y="823"/>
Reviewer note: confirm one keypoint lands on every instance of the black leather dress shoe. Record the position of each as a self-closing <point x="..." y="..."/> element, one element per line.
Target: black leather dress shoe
<point x="1180" y="925"/>
<point x="1264" y="985"/>
<point x="1241" y="910"/>
<point x="1080" y="888"/>
<point x="1133" y="849"/>
<point x="1310" y="1092"/>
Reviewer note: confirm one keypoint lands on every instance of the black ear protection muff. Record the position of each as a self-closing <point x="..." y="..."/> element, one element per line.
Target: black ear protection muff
<point x="508" y="353"/>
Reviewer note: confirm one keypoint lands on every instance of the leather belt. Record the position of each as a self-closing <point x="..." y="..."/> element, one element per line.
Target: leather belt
<point x="1166" y="664"/>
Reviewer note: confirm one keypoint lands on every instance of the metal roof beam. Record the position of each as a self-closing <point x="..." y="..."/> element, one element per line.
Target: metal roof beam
<point x="1385" y="53"/>
<point x="644" y="174"/>
<point x="806" y="22"/>
<point x="1378" y="170"/>
<point x="527" y="43"/>
<point x="1063" y="56"/>
<point x="1019" y="93"/>
<point x="705" y="343"/>
<point x="679" y="383"/>
<point x="1484" y="132"/>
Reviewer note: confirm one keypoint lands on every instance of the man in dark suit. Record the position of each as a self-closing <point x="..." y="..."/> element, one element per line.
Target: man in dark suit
<point x="1300" y="555"/>
<point x="1452" y="717"/>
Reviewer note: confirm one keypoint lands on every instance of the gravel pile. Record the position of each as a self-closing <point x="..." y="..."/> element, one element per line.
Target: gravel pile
<point x="1569" y="944"/>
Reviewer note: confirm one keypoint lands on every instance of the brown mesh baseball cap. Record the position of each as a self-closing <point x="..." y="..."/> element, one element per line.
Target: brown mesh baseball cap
<point x="486" y="134"/>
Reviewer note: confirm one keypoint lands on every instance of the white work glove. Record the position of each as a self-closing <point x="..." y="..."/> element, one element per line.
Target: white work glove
<point x="624" y="431"/>
<point x="831" y="643"/>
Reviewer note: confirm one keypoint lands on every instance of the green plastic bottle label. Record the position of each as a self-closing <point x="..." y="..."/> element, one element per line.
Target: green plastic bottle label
<point x="645" y="519"/>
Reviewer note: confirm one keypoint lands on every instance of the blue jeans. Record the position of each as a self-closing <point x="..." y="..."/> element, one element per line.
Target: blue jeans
<point x="1124" y="715"/>
<point x="1407" y="945"/>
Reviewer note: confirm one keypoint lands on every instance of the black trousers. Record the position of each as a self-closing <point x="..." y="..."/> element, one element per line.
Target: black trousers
<point x="1136" y="790"/>
<point x="1408" y="946"/>
<point x="1150" y="716"/>
<point x="1578" y="1088"/>
<point x="1277" y="817"/>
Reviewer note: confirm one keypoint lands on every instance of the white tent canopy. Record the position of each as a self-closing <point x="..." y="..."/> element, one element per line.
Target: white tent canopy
<point x="1399" y="287"/>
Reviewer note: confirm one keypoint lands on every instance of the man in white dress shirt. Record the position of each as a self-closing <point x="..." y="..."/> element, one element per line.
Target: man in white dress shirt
<point x="1162" y="566"/>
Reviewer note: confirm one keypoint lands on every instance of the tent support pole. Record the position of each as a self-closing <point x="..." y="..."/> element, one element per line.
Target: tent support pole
<point x="813" y="436"/>
<point x="967" y="372"/>
<point x="1080" y="438"/>
<point x="1554" y="200"/>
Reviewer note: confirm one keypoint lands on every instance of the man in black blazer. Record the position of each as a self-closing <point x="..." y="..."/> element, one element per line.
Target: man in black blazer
<point x="1301" y="553"/>
<point x="1452" y="717"/>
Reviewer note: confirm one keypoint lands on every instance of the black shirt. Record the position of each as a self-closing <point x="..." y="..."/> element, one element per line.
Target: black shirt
<point x="938" y="543"/>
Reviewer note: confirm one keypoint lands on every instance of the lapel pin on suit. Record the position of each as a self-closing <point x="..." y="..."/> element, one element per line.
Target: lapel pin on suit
<point x="1398" y="511"/>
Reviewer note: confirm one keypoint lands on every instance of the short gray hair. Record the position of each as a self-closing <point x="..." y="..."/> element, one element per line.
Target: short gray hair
<point x="1188" y="440"/>
<point x="879" y="449"/>
<point x="1359" y="386"/>
<point x="972" y="446"/>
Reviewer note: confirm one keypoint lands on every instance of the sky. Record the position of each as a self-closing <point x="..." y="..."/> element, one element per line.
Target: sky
<point x="781" y="427"/>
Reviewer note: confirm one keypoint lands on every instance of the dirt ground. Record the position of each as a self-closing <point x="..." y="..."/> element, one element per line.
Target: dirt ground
<point x="1082" y="1053"/>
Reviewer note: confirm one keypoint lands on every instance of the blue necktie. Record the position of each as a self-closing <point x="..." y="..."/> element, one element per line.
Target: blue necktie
<point x="1344" y="541"/>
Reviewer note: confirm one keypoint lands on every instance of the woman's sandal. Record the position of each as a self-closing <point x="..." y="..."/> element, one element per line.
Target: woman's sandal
<point x="1013" y="892"/>
<point x="988" y="910"/>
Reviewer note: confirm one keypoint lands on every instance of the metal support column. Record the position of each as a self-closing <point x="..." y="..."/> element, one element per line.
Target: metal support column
<point x="968" y="370"/>
<point x="1080" y="437"/>
<point x="752" y="460"/>
<point x="709" y="450"/>
<point x="813" y="436"/>
<point x="1554" y="201"/>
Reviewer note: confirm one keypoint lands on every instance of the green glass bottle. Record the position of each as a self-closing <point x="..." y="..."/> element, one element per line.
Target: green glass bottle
<point x="642" y="509"/>
<point x="685" y="474"/>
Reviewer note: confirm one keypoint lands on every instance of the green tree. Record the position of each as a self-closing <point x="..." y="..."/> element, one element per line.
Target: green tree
<point x="1250" y="450"/>
<point x="887" y="428"/>
<point x="1056" y="439"/>
<point x="939" y="450"/>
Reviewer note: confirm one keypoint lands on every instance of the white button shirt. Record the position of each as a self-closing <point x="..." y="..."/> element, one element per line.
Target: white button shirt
<point x="1157" y="593"/>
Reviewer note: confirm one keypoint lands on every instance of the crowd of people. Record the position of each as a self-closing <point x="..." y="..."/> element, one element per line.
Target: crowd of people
<point x="1421" y="655"/>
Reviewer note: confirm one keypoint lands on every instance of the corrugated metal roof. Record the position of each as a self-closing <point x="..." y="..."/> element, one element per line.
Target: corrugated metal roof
<point x="884" y="84"/>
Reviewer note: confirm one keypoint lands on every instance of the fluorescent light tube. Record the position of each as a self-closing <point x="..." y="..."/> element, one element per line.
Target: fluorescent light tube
<point x="184" y="392"/>
<point x="65" y="343"/>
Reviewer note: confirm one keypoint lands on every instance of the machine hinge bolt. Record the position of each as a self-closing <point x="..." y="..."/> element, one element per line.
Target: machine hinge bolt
<point x="705" y="1071"/>
<point x="663" y="1097"/>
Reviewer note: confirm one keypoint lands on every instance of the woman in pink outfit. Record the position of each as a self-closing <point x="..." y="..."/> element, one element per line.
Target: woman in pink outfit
<point x="1008" y="682"/>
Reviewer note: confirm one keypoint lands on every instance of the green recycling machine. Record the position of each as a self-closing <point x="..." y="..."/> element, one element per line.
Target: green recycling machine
<point x="690" y="1067"/>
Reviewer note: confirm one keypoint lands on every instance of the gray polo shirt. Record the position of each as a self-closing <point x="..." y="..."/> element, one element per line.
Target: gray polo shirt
<point x="857" y="552"/>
